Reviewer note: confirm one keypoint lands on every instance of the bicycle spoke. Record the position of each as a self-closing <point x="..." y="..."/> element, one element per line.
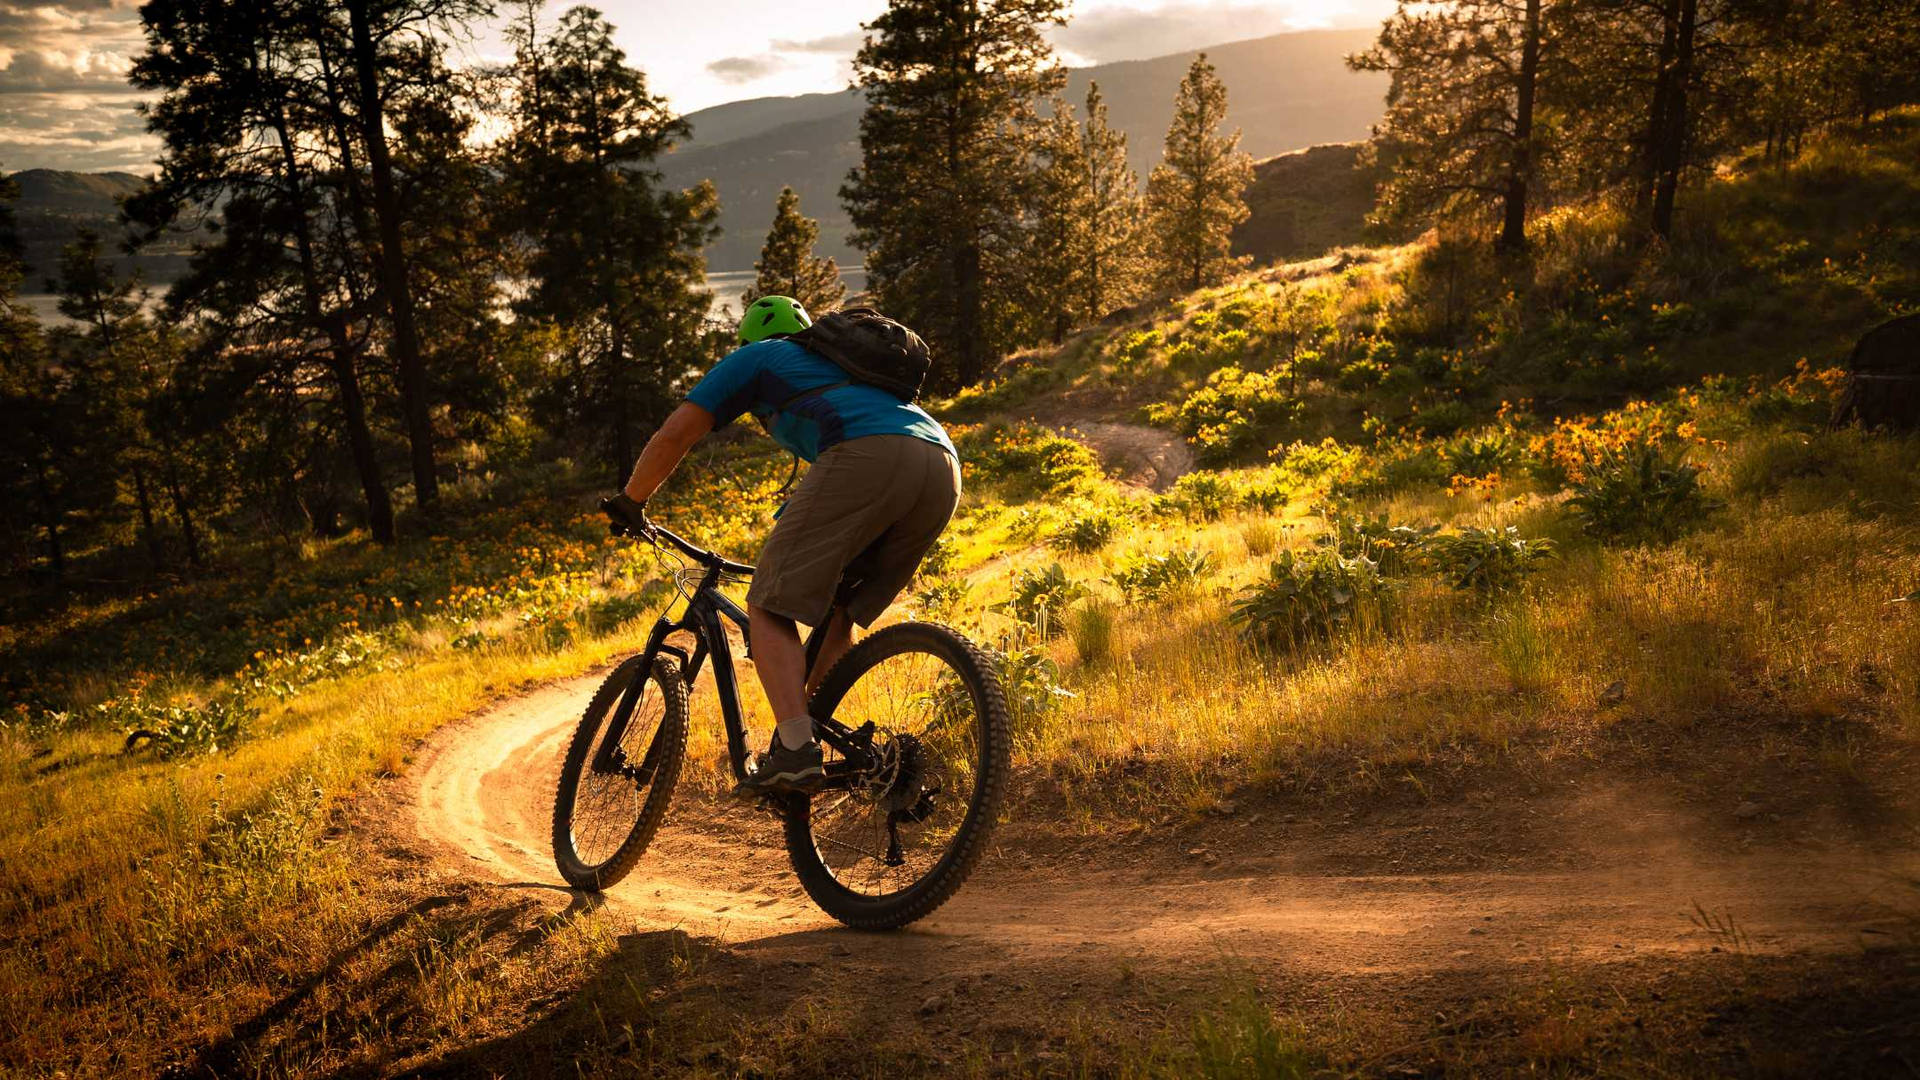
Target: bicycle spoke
<point x="605" y="805"/>
<point x="914" y="700"/>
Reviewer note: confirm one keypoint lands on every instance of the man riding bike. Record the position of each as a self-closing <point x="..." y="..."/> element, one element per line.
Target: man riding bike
<point x="883" y="483"/>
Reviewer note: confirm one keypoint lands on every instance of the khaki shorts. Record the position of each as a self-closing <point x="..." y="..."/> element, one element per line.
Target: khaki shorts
<point x="868" y="509"/>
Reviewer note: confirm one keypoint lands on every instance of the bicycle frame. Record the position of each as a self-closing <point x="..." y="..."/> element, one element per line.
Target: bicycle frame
<point x="702" y="617"/>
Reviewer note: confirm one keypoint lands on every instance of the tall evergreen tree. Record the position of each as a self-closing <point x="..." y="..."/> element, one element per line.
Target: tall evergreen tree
<point x="616" y="260"/>
<point x="1060" y="233"/>
<point x="1461" y="131"/>
<point x="123" y="364"/>
<point x="1196" y="194"/>
<point x="787" y="265"/>
<point x="1112" y="263"/>
<point x="248" y="127"/>
<point x="939" y="199"/>
<point x="32" y="439"/>
<point x="373" y="27"/>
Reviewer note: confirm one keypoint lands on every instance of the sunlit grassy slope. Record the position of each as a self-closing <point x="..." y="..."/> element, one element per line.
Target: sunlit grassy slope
<point x="1370" y="427"/>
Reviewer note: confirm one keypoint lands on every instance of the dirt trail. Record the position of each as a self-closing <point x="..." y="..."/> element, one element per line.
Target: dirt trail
<point x="1261" y="896"/>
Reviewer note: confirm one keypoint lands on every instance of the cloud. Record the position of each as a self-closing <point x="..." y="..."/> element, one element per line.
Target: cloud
<point x="87" y="132"/>
<point x="1106" y="34"/>
<point x="735" y="70"/>
<point x="64" y="98"/>
<point x="833" y="44"/>
<point x="54" y="70"/>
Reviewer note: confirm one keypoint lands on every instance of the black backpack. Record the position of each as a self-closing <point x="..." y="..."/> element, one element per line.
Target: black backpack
<point x="871" y="348"/>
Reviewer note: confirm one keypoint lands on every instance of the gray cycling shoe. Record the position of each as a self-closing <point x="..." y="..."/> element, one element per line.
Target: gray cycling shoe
<point x="782" y="770"/>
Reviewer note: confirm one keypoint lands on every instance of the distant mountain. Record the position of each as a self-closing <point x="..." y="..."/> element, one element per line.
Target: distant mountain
<point x="1284" y="92"/>
<point x="55" y="205"/>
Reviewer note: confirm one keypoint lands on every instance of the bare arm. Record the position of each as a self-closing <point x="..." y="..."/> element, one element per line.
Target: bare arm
<point x="683" y="428"/>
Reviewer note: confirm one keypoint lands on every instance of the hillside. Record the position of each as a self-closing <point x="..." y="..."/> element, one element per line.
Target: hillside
<point x="1523" y="683"/>
<point x="1285" y="92"/>
<point x="1307" y="203"/>
<point x="54" y="205"/>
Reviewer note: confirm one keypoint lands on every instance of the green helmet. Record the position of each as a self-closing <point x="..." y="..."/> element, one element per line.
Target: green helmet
<point x="771" y="315"/>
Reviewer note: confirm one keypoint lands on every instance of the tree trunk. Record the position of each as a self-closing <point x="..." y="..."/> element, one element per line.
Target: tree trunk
<point x="340" y="359"/>
<point x="393" y="262"/>
<point x="624" y="451"/>
<point x="966" y="322"/>
<point x="176" y="491"/>
<point x="145" y="504"/>
<point x="1649" y="164"/>
<point x="56" y="557"/>
<point x="1513" y="228"/>
<point x="1672" y="148"/>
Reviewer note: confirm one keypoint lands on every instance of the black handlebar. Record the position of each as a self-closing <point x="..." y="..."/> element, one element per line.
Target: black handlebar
<point x="695" y="552"/>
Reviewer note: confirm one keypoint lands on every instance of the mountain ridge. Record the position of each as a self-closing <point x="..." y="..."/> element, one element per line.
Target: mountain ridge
<point x="1285" y="92"/>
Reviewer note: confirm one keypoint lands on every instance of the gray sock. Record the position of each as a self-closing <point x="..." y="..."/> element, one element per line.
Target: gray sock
<point x="795" y="734"/>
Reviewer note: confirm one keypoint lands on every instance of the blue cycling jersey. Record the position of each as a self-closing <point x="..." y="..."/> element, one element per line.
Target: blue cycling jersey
<point x="762" y="377"/>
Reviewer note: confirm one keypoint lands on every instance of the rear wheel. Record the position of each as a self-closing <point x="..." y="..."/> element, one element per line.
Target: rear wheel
<point x="902" y="839"/>
<point x="604" y="819"/>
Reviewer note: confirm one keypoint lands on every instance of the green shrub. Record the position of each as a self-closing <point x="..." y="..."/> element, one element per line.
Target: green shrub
<point x="1030" y="526"/>
<point x="939" y="557"/>
<point x="1637" y="493"/>
<point x="1040" y="598"/>
<point x="1443" y="419"/>
<point x="1088" y="531"/>
<point x="1029" y="678"/>
<point x="1201" y="496"/>
<point x="1028" y="457"/>
<point x="1362" y="374"/>
<point x="1489" y="560"/>
<point x="1267" y="493"/>
<point x="171" y="731"/>
<point x="1312" y="598"/>
<point x="1481" y="455"/>
<point x="1393" y="549"/>
<point x="1235" y="411"/>
<point x="939" y="599"/>
<point x="1327" y="463"/>
<point x="1152" y="578"/>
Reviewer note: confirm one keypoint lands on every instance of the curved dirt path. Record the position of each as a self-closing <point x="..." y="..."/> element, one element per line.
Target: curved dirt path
<point x="480" y="794"/>
<point x="1143" y="456"/>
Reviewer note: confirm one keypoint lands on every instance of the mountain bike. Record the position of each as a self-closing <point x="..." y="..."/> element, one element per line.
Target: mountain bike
<point x="913" y="722"/>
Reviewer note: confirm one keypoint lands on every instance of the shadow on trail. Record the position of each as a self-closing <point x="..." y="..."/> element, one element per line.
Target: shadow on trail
<point x="237" y="1049"/>
<point x="631" y="996"/>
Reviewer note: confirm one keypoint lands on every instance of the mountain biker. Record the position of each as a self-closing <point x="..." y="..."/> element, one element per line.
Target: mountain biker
<point x="883" y="482"/>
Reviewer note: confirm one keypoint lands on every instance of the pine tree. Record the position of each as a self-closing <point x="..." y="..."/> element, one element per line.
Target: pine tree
<point x="1060" y="234"/>
<point x="939" y="199"/>
<point x="1112" y="265"/>
<point x="33" y="441"/>
<point x="1195" y="195"/>
<point x="248" y="125"/>
<point x="122" y="364"/>
<point x="1083" y="240"/>
<point x="787" y="265"/>
<point x="1460" y="131"/>
<point x="615" y="261"/>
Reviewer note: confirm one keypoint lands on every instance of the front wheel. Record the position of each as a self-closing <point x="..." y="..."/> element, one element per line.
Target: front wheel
<point x="899" y="841"/>
<point x="604" y="817"/>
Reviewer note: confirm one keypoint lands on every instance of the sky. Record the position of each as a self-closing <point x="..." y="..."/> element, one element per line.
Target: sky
<point x="64" y="102"/>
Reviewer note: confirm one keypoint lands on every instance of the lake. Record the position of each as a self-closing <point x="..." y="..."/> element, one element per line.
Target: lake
<point x="727" y="285"/>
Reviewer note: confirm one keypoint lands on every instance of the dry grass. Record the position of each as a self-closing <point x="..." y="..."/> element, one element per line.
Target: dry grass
<point x="155" y="903"/>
